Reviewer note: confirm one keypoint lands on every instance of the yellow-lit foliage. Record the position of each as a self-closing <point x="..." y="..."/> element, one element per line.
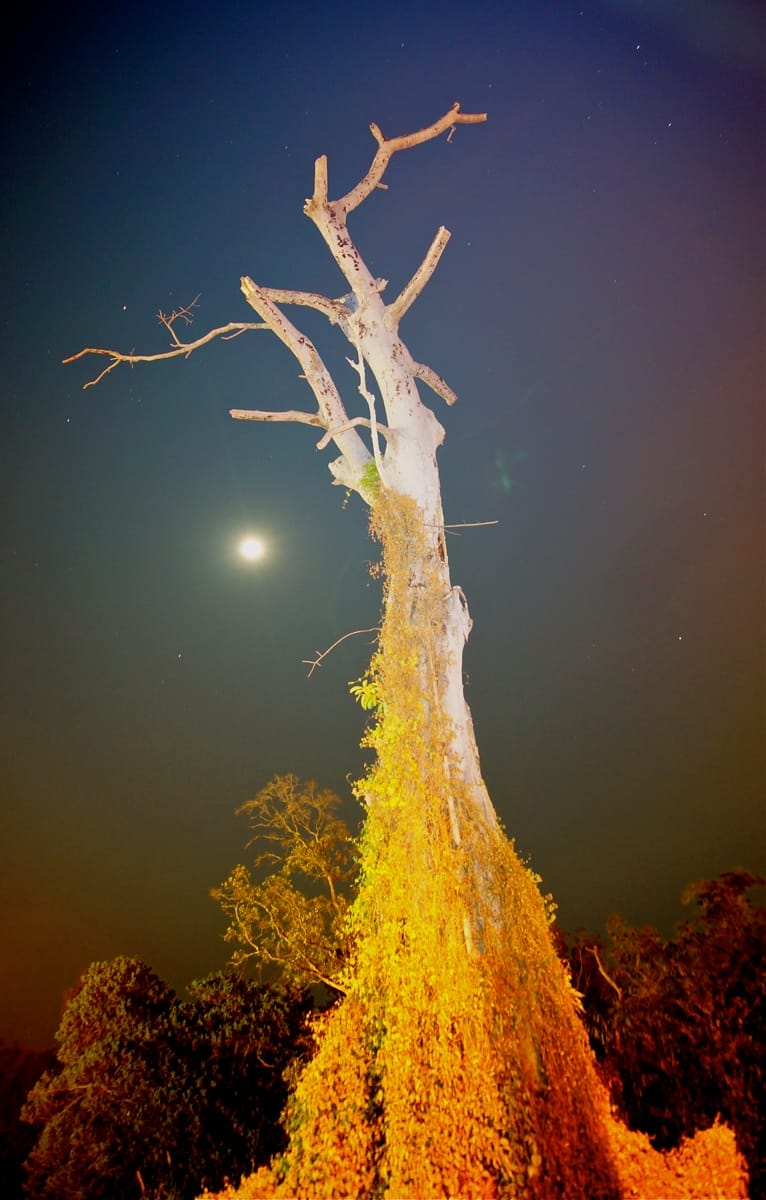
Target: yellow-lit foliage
<point x="292" y="919"/>
<point x="456" y="1065"/>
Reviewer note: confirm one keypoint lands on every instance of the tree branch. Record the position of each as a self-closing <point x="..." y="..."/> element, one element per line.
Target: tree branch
<point x="434" y="381"/>
<point x="603" y="972"/>
<point x="303" y="418"/>
<point x="322" y="654"/>
<point x="358" y="315"/>
<point x="369" y="397"/>
<point x="185" y="314"/>
<point x="232" y="330"/>
<point x="389" y="146"/>
<point x="331" y="409"/>
<point x="289" y="414"/>
<point x="334" y="310"/>
<point x="412" y="290"/>
<point x="320" y="180"/>
<point x="352" y="424"/>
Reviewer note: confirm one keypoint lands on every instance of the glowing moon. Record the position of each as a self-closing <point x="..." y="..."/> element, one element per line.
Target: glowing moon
<point x="252" y="548"/>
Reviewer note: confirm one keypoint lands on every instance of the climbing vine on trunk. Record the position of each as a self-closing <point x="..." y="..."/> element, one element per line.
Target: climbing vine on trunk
<point x="454" y="1064"/>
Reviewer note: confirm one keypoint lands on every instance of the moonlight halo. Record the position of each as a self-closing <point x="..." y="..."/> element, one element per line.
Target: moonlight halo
<point x="251" y="548"/>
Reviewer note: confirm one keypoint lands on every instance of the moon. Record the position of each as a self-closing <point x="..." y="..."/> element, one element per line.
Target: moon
<point x="252" y="548"/>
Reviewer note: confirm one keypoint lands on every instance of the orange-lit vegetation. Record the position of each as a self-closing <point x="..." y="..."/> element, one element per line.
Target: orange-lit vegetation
<point x="293" y="918"/>
<point x="457" y="1064"/>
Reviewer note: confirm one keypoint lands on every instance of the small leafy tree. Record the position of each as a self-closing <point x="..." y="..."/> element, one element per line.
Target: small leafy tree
<point x="105" y="1125"/>
<point x="294" y="919"/>
<point x="157" y="1097"/>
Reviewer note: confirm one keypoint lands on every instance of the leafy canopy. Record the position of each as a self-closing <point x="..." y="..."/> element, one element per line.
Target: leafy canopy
<point x="293" y="919"/>
<point x="156" y="1096"/>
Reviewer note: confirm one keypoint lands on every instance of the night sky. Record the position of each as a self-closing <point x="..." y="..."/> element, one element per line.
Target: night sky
<point x="600" y="313"/>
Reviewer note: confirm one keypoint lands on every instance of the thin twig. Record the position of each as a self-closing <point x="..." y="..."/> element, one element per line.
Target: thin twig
<point x="233" y="329"/>
<point x="185" y="314"/>
<point x="463" y="525"/>
<point x="322" y="654"/>
<point x="603" y="972"/>
<point x="469" y="524"/>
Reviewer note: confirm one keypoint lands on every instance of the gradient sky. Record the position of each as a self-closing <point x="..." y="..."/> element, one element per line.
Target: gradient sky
<point x="600" y="312"/>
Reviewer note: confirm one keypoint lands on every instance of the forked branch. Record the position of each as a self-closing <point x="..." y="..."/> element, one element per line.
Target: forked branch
<point x="354" y="423"/>
<point x="334" y="310"/>
<point x="388" y="147"/>
<point x="180" y="349"/>
<point x="313" y="663"/>
<point x="185" y="314"/>
<point x="332" y="413"/>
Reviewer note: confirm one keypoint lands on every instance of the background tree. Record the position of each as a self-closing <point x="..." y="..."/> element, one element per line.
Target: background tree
<point x="456" y="1063"/>
<point x="293" y="919"/>
<point x="20" y="1069"/>
<point x="244" y="1041"/>
<point x="156" y="1097"/>
<point x="679" y="1025"/>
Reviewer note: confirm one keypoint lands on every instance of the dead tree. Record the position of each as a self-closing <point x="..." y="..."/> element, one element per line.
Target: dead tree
<point x="456" y="1063"/>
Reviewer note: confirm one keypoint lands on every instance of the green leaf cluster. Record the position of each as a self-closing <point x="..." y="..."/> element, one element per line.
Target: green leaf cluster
<point x="153" y="1095"/>
<point x="370" y="481"/>
<point x="366" y="690"/>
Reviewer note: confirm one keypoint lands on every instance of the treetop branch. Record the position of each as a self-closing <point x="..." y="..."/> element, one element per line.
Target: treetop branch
<point x="389" y="146"/>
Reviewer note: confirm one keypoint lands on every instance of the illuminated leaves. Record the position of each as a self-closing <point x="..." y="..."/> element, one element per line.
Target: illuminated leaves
<point x="295" y="918"/>
<point x="296" y="828"/>
<point x="365" y="690"/>
<point x="430" y="1076"/>
<point x="456" y="1065"/>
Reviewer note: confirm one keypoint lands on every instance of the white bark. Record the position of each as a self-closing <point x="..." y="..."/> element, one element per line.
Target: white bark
<point x="413" y="432"/>
<point x="406" y="457"/>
